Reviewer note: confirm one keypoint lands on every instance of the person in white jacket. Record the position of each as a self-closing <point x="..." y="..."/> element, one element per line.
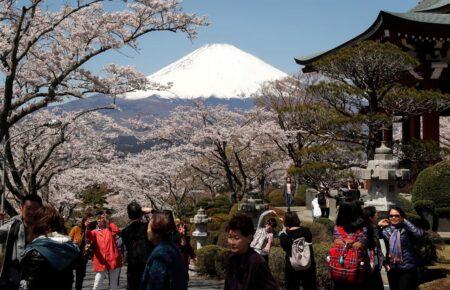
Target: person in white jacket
<point x="316" y="212"/>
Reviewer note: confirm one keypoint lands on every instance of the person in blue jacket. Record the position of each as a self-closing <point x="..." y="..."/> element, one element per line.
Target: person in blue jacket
<point x="165" y="269"/>
<point x="399" y="236"/>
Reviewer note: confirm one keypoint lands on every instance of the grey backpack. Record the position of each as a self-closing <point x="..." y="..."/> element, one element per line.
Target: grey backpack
<point x="300" y="258"/>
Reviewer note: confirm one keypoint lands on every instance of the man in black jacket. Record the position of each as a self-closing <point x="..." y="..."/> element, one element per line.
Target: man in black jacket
<point x="13" y="235"/>
<point x="134" y="237"/>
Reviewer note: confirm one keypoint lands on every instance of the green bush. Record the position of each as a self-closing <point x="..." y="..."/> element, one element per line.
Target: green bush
<point x="276" y="263"/>
<point x="300" y="196"/>
<point x="320" y="232"/>
<point x="433" y="184"/>
<point x="276" y="198"/>
<point x="233" y="210"/>
<point x="320" y="254"/>
<point x="443" y="212"/>
<point x="221" y="262"/>
<point x="206" y="260"/>
<point x="427" y="252"/>
<point x="222" y="201"/>
<point x="329" y="224"/>
<point x="214" y="211"/>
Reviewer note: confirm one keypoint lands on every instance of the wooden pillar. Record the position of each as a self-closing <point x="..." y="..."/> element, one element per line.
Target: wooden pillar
<point x="431" y="126"/>
<point x="410" y="128"/>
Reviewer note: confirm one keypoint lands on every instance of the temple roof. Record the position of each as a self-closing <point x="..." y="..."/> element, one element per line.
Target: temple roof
<point x="432" y="6"/>
<point x="435" y="19"/>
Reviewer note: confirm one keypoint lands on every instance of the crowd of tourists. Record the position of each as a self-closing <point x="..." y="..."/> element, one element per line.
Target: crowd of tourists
<point x="40" y="254"/>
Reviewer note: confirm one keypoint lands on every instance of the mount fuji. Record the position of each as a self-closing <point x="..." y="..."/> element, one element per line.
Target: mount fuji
<point x="214" y="70"/>
<point x="221" y="74"/>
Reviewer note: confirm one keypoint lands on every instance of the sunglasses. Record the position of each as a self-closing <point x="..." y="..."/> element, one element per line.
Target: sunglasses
<point x="394" y="215"/>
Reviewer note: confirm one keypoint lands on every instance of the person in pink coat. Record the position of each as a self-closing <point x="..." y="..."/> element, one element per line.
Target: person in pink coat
<point x="107" y="257"/>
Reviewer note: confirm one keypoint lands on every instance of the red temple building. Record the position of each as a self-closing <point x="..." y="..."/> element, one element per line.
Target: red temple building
<point x="424" y="32"/>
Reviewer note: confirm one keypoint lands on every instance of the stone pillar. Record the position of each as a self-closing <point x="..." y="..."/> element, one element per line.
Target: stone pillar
<point x="431" y="126"/>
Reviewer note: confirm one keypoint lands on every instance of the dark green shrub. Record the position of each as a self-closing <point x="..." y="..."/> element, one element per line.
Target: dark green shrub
<point x="276" y="263"/>
<point x="212" y="237"/>
<point x="320" y="232"/>
<point x="276" y="198"/>
<point x="433" y="184"/>
<point x="424" y="205"/>
<point x="222" y="201"/>
<point x="221" y="217"/>
<point x="214" y="211"/>
<point x="221" y="262"/>
<point x="443" y="212"/>
<point x="426" y="246"/>
<point x="405" y="204"/>
<point x="300" y="196"/>
<point x="233" y="210"/>
<point x="206" y="260"/>
<point x="329" y="224"/>
<point x="320" y="254"/>
<point x="205" y="203"/>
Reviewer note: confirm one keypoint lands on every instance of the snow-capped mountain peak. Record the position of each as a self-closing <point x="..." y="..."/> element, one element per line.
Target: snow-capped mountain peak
<point x="219" y="70"/>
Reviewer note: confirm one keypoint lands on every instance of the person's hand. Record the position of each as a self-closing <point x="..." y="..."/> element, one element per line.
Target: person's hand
<point x="383" y="223"/>
<point x="146" y="210"/>
<point x="387" y="267"/>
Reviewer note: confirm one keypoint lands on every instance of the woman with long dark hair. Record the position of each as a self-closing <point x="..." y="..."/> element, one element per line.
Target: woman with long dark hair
<point x="348" y="259"/>
<point x="48" y="261"/>
<point x="294" y="233"/>
<point x="374" y="280"/>
<point x="401" y="258"/>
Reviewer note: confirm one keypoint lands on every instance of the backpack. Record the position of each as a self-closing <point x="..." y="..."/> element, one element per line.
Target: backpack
<point x="346" y="264"/>
<point x="300" y="258"/>
<point x="137" y="245"/>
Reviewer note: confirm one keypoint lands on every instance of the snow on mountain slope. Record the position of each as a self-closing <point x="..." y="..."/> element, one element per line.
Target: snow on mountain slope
<point x="219" y="70"/>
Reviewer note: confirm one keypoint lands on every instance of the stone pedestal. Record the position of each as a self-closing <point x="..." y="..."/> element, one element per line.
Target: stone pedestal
<point x="382" y="172"/>
<point x="200" y="233"/>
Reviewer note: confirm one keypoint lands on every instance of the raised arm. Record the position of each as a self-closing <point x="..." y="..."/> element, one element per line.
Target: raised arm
<point x="262" y="216"/>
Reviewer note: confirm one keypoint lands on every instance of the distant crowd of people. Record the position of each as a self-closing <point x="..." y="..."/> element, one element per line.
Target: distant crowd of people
<point x="41" y="255"/>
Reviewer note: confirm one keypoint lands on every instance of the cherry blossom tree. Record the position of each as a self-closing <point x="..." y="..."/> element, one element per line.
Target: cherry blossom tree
<point x="82" y="139"/>
<point x="45" y="46"/>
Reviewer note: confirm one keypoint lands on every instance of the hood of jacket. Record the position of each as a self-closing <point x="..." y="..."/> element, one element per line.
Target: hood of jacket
<point x="58" y="249"/>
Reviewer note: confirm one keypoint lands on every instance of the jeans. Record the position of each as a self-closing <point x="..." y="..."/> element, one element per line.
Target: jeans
<point x="113" y="279"/>
<point x="289" y="200"/>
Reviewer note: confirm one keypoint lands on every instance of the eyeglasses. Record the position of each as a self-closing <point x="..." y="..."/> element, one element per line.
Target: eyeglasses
<point x="394" y="216"/>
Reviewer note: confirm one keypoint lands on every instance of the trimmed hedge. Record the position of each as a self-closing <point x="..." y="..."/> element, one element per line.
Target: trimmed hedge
<point x="433" y="184"/>
<point x="206" y="260"/>
<point x="276" y="263"/>
<point x="276" y="198"/>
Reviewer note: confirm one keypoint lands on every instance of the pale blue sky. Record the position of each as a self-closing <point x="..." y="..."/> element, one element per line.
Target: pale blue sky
<point x="273" y="30"/>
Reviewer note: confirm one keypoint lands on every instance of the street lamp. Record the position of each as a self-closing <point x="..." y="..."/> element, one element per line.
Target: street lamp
<point x="50" y="124"/>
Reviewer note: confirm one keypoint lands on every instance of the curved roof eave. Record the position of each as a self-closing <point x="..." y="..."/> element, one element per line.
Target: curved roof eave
<point x="366" y="34"/>
<point x="430" y="18"/>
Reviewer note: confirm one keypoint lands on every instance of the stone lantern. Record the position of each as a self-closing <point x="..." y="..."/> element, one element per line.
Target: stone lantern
<point x="253" y="206"/>
<point x="200" y="233"/>
<point x="382" y="174"/>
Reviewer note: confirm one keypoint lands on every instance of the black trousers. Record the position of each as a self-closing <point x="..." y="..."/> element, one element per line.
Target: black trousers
<point x="374" y="281"/>
<point x="306" y="278"/>
<point x="134" y="276"/>
<point x="403" y="279"/>
<point x="325" y="211"/>
<point x="80" y="273"/>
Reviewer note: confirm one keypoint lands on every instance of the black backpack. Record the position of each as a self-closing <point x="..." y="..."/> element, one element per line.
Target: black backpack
<point x="137" y="245"/>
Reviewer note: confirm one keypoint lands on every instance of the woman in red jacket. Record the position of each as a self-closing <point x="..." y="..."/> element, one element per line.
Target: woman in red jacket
<point x="107" y="258"/>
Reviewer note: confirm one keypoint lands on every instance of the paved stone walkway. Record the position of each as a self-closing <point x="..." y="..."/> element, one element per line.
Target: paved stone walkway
<point x="194" y="284"/>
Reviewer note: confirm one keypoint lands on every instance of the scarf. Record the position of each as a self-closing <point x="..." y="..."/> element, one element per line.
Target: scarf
<point x="395" y="247"/>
